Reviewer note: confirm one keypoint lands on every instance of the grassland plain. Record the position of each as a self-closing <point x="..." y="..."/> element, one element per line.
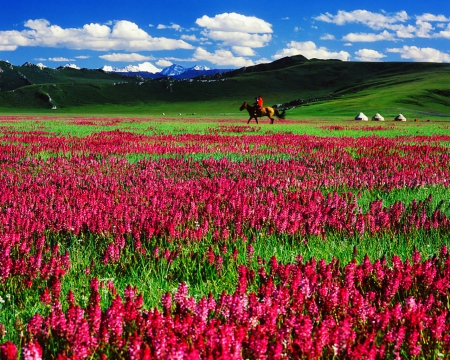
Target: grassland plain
<point x="161" y="187"/>
<point x="65" y="178"/>
<point x="325" y="88"/>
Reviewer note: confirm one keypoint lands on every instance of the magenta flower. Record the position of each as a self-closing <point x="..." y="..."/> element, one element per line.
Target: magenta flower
<point x="8" y="351"/>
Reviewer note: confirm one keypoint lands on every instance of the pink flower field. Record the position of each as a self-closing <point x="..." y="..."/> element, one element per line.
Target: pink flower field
<point x="240" y="242"/>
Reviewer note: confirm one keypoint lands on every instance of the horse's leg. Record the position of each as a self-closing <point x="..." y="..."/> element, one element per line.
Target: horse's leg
<point x="270" y="115"/>
<point x="256" y="118"/>
<point x="248" y="122"/>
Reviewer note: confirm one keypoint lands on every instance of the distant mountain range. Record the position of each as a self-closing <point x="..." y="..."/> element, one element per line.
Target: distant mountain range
<point x="175" y="71"/>
<point x="414" y="89"/>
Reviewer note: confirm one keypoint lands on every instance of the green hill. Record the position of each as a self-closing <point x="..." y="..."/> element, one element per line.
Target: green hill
<point x="315" y="87"/>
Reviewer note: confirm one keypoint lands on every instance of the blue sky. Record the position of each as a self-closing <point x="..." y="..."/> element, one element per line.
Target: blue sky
<point x="152" y="35"/>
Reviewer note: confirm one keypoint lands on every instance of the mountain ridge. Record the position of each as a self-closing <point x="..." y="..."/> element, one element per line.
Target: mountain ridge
<point x="175" y="70"/>
<point x="295" y="80"/>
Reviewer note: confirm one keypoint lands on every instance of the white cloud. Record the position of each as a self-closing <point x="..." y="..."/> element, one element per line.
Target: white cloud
<point x="373" y="20"/>
<point x="60" y="59"/>
<point x="171" y="26"/>
<point x="431" y="17"/>
<point x="128" y="30"/>
<point x="263" y="61"/>
<point x="310" y="50"/>
<point x="8" y="47"/>
<point x="121" y="35"/>
<point x="327" y="37"/>
<point x="222" y="58"/>
<point x="232" y="29"/>
<point x="164" y="63"/>
<point x="243" y="51"/>
<point x="421" y="54"/>
<point x="229" y="38"/>
<point x="444" y="33"/>
<point x="405" y="32"/>
<point x="192" y="38"/>
<point x="396" y="23"/>
<point x="361" y="37"/>
<point x="369" y="55"/>
<point x="423" y="29"/>
<point x="97" y="30"/>
<point x="235" y="23"/>
<point x="133" y="57"/>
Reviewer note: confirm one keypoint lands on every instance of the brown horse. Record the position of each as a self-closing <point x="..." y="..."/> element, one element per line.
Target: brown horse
<point x="264" y="111"/>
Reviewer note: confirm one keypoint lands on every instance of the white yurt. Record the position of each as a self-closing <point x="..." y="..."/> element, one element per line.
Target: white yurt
<point x="400" y="117"/>
<point x="377" y="117"/>
<point x="361" y="116"/>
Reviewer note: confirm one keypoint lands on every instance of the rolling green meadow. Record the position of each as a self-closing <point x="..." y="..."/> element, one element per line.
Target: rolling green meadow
<point x="146" y="219"/>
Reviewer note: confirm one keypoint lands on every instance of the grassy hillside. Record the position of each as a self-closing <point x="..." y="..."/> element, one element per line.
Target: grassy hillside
<point x="326" y="88"/>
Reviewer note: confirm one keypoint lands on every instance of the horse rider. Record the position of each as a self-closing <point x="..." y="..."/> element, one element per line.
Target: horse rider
<point x="258" y="104"/>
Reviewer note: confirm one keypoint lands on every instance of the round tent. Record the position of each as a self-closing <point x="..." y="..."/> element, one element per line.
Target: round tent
<point x="361" y="116"/>
<point x="400" y="117"/>
<point x="377" y="117"/>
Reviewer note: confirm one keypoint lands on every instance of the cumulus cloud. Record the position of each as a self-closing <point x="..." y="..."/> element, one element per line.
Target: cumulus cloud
<point x="375" y="21"/>
<point x="121" y="35"/>
<point x="361" y="37"/>
<point x="221" y="57"/>
<point x="191" y="38"/>
<point x="421" y="54"/>
<point x="133" y="57"/>
<point x="310" y="50"/>
<point x="235" y="22"/>
<point x="399" y="25"/>
<point x="171" y="26"/>
<point x="444" y="33"/>
<point x="243" y="51"/>
<point x="229" y="38"/>
<point x="369" y="55"/>
<point x="164" y="63"/>
<point x="424" y="29"/>
<point x="327" y="37"/>
<point x="431" y="17"/>
<point x="60" y="59"/>
<point x="232" y="29"/>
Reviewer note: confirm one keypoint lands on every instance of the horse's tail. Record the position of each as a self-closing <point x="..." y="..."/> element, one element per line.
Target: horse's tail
<point x="280" y="115"/>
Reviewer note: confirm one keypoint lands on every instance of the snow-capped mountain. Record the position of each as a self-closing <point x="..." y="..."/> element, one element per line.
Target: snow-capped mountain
<point x="72" y="66"/>
<point x="199" y="68"/>
<point x="173" y="70"/>
<point x="149" y="71"/>
<point x="176" y="71"/>
<point x="29" y="64"/>
<point x="144" y="67"/>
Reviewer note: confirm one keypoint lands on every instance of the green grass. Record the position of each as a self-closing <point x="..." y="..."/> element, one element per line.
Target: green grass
<point x="295" y="123"/>
<point x="155" y="277"/>
<point x="329" y="88"/>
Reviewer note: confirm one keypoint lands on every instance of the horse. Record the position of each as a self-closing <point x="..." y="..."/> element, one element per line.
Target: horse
<point x="264" y="111"/>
